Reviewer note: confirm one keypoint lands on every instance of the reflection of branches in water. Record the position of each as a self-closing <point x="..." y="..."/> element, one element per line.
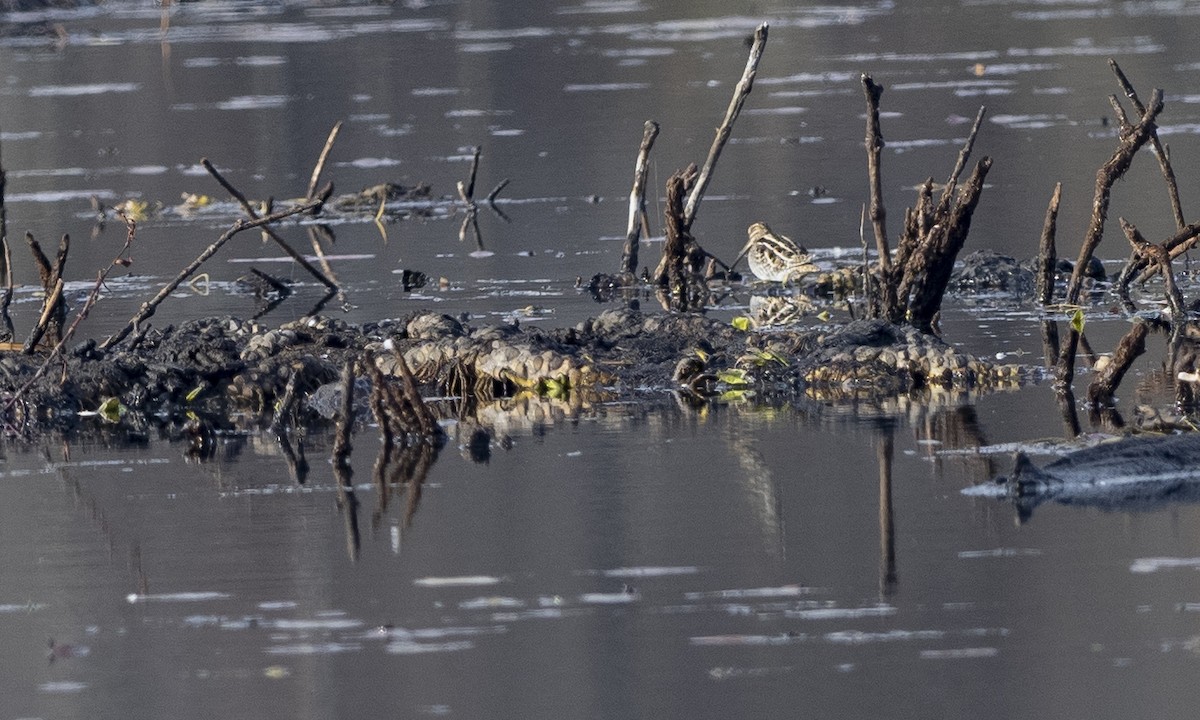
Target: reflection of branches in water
<point x="884" y="453"/>
<point x="86" y="502"/>
<point x="296" y="462"/>
<point x="955" y="429"/>
<point x="403" y="470"/>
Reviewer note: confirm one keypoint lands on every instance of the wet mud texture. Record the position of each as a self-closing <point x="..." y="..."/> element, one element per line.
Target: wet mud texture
<point x="216" y="367"/>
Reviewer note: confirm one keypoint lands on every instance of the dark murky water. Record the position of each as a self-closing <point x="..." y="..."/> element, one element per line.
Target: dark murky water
<point x="615" y="561"/>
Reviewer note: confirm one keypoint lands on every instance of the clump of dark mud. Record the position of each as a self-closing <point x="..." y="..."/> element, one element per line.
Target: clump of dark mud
<point x="216" y="367"/>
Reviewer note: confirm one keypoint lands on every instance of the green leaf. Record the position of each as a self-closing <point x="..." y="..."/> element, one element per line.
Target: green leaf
<point x="195" y="393"/>
<point x="734" y="377"/>
<point x="741" y="322"/>
<point x="1077" y="320"/>
<point x="768" y="357"/>
<point x="556" y="388"/>
<point x="824" y="316"/>
<point x="111" y="409"/>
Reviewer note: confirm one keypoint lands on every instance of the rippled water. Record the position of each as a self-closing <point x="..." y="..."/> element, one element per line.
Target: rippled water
<point x="601" y="561"/>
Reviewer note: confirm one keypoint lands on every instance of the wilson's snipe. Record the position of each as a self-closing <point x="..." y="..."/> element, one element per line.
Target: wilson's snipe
<point x="774" y="257"/>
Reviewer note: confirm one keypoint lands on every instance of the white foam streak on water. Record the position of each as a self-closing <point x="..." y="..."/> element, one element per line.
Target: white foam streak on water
<point x="751" y="640"/>
<point x="858" y="637"/>
<point x="876" y="611"/>
<point x="989" y="490"/>
<point x="1076" y="14"/>
<point x="1136" y="46"/>
<point x="253" y="102"/>
<point x="457" y="581"/>
<point x="997" y="552"/>
<point x="617" y="598"/>
<point x="742" y="593"/>
<point x="486" y="47"/>
<point x="1154" y="564"/>
<point x="505" y="34"/>
<point x="604" y="87"/>
<point x="603" y="7"/>
<point x="976" y="56"/>
<point x="22" y="607"/>
<point x="329" y="648"/>
<point x="49" y="172"/>
<point x="88" y="89"/>
<point x="330" y="624"/>
<point x="370" y="162"/>
<point x="490" y="603"/>
<point x="202" y="596"/>
<point x="1179" y="129"/>
<point x="943" y="84"/>
<point x="960" y="653"/>
<point x="650" y="571"/>
<point x="62" y="687"/>
<point x="793" y="110"/>
<point x="52" y="196"/>
<point x="414" y="648"/>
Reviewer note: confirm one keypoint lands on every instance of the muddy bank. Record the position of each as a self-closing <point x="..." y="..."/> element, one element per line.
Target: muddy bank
<point x="216" y="367"/>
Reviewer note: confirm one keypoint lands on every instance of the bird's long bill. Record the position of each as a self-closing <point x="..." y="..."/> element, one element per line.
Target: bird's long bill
<point x="742" y="254"/>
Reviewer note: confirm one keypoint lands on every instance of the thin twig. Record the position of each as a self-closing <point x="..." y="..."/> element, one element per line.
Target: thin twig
<point x="8" y="332"/>
<point x="637" y="199"/>
<point x="1179" y="243"/>
<point x="6" y="299"/>
<point x="1160" y="259"/>
<point x="148" y="308"/>
<point x="52" y="300"/>
<point x="466" y="191"/>
<point x="963" y="155"/>
<point x="314" y="232"/>
<point x="731" y="113"/>
<point x="1163" y="153"/>
<point x="249" y="210"/>
<point x="40" y="260"/>
<point x="872" y="310"/>
<point x="122" y="260"/>
<point x="320" y="166"/>
<point x="1109" y="173"/>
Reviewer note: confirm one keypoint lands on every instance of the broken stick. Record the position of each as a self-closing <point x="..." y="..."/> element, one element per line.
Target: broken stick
<point x="1047" y="255"/>
<point x="637" y="199"/>
<point x="149" y="307"/>
<point x="249" y="210"/>
<point x="731" y="113"/>
<point x="1132" y="138"/>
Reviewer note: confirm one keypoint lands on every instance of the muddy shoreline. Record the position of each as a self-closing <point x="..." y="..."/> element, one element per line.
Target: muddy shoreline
<point x="214" y="368"/>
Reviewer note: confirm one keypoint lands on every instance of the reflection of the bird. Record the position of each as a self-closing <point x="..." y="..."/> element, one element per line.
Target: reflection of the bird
<point x="778" y="310"/>
<point x="762" y="492"/>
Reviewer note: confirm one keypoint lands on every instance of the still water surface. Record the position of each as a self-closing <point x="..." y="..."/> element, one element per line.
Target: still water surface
<point x="610" y="561"/>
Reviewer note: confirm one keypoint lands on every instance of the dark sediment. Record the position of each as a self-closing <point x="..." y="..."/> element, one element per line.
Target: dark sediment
<point x="216" y="367"/>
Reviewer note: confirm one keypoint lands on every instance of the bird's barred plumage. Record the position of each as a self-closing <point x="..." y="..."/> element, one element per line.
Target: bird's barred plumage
<point x="774" y="257"/>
